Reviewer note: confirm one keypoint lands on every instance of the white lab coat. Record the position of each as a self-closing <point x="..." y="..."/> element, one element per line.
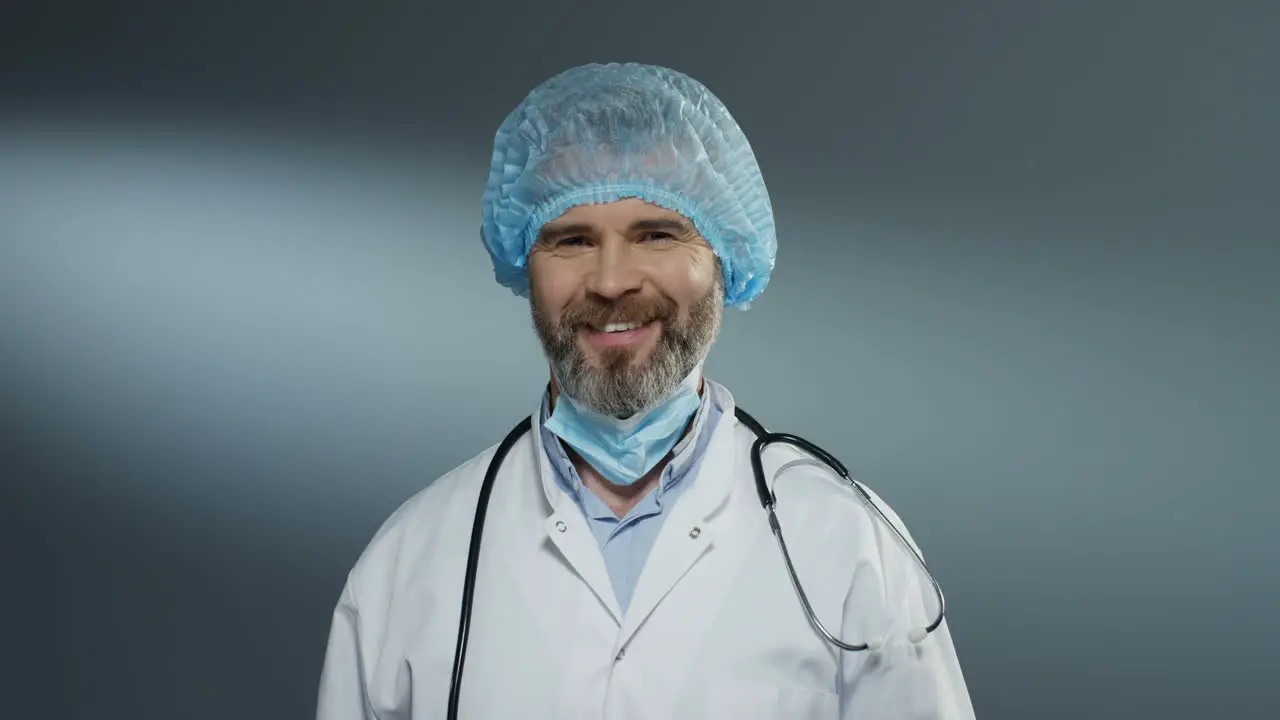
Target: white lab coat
<point x="714" y="630"/>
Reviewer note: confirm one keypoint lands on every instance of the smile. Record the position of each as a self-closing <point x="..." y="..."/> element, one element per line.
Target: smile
<point x="619" y="334"/>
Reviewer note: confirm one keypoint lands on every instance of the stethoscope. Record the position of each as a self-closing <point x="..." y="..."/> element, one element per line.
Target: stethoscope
<point x="767" y="499"/>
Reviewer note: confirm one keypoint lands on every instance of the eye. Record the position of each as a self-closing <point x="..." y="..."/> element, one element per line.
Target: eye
<point x="570" y="242"/>
<point x="657" y="236"/>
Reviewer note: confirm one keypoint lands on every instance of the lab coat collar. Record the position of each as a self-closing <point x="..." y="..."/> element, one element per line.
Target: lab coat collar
<point x="566" y="528"/>
<point x="694" y="525"/>
<point x="688" y="533"/>
<point x="554" y="492"/>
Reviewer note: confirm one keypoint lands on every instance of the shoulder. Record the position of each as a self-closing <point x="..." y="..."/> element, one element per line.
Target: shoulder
<point x="405" y="539"/>
<point x="798" y="476"/>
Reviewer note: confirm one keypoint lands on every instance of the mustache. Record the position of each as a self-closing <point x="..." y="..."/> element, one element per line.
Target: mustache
<point x="598" y="313"/>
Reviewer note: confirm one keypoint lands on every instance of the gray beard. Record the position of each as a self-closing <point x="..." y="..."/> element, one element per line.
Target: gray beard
<point x="619" y="389"/>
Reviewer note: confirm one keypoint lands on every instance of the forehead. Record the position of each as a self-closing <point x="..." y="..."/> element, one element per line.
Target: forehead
<point x="619" y="215"/>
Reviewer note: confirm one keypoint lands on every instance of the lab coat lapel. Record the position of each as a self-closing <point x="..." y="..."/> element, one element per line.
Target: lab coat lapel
<point x="692" y="529"/>
<point x="566" y="528"/>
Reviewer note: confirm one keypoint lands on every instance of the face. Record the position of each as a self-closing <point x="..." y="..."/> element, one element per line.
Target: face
<point x="627" y="299"/>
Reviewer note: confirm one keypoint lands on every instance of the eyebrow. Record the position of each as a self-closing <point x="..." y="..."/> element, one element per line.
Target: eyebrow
<point x="671" y="224"/>
<point x="656" y="224"/>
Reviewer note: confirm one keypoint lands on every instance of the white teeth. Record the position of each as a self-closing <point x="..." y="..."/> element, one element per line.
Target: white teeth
<point x="620" y="327"/>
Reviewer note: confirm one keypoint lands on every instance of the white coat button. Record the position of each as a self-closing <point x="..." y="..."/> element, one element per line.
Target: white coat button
<point x="695" y="532"/>
<point x="561" y="526"/>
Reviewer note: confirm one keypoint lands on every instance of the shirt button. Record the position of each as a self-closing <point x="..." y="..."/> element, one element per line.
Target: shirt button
<point x="561" y="526"/>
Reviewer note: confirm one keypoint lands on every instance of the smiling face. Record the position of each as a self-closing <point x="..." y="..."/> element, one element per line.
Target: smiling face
<point x="626" y="299"/>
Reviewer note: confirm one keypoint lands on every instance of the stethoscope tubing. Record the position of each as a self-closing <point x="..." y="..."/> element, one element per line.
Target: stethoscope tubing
<point x="767" y="500"/>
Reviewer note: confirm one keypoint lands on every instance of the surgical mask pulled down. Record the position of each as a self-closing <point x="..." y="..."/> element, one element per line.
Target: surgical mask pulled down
<point x="623" y="450"/>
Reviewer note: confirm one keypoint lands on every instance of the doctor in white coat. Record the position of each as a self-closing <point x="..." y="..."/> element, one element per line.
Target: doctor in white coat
<point x="627" y="570"/>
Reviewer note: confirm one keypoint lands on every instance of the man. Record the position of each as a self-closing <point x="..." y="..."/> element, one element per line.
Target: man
<point x="627" y="569"/>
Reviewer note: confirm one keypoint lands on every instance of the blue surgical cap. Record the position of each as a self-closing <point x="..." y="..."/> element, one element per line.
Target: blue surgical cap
<point x="600" y="133"/>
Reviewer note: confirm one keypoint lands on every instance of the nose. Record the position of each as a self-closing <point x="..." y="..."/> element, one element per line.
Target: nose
<point x="616" y="271"/>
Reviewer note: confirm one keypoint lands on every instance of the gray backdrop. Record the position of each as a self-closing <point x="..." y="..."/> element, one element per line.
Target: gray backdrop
<point x="1025" y="289"/>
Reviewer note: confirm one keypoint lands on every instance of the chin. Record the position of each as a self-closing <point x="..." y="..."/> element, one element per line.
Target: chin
<point x="617" y="359"/>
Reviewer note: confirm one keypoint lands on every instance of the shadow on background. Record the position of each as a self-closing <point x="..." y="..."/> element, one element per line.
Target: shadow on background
<point x="146" y="612"/>
<point x="1025" y="289"/>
